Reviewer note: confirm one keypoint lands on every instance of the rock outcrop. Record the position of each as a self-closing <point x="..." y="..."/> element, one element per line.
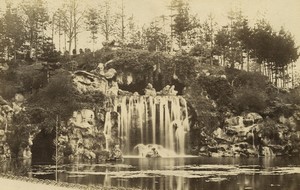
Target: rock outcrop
<point x="82" y="137"/>
<point x="86" y="82"/>
<point x="253" y="135"/>
<point x="6" y="113"/>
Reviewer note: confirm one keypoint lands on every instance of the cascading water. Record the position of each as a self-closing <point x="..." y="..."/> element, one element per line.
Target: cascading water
<point x="161" y="120"/>
<point x="267" y="152"/>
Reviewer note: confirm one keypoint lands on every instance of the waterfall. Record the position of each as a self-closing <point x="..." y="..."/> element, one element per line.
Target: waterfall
<point x="160" y="120"/>
<point x="267" y="152"/>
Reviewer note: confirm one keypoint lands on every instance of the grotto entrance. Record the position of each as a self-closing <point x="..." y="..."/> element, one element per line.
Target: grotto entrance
<point x="43" y="148"/>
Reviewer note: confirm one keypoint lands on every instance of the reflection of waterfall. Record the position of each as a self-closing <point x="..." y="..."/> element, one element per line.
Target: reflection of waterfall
<point x="159" y="120"/>
<point x="107" y="129"/>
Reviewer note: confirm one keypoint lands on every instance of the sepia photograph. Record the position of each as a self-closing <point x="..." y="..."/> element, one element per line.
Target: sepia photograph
<point x="149" y="94"/>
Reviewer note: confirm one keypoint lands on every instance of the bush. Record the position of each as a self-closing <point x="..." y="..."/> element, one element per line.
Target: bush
<point x="239" y="79"/>
<point x="207" y="116"/>
<point x="270" y="130"/>
<point x="250" y="100"/>
<point x="58" y="97"/>
<point x="218" y="89"/>
<point x="184" y="67"/>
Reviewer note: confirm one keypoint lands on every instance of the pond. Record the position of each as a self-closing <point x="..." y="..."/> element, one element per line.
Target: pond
<point x="174" y="173"/>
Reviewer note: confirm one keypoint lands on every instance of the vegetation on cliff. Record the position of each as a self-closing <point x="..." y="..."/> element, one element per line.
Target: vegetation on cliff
<point x="213" y="92"/>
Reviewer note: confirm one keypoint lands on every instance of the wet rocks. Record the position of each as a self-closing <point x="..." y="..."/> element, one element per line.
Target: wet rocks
<point x="252" y="135"/>
<point x="168" y="91"/>
<point x="149" y="90"/>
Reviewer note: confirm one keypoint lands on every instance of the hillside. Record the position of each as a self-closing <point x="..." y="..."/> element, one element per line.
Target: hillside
<point x="231" y="112"/>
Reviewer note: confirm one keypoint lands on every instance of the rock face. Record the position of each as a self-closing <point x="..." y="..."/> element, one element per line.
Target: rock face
<point x="6" y="113"/>
<point x="86" y="82"/>
<point x="98" y="81"/>
<point x="82" y="137"/>
<point x="251" y="135"/>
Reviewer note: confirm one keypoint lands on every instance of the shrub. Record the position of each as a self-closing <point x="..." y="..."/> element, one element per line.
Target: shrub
<point x="58" y="97"/>
<point x="217" y="88"/>
<point x="251" y="100"/>
<point x="239" y="79"/>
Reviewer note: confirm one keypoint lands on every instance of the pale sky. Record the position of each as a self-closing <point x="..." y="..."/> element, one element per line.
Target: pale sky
<point x="279" y="13"/>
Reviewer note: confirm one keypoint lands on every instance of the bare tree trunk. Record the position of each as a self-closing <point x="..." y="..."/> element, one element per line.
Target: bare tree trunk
<point x="107" y="21"/>
<point x="283" y="77"/>
<point x="171" y="31"/>
<point x="123" y="25"/>
<point x="293" y="75"/>
<point x="70" y="35"/>
<point x="248" y="60"/>
<point x="59" y="38"/>
<point x="65" y="38"/>
<point x="276" y="76"/>
<point x="75" y="25"/>
<point x="52" y="29"/>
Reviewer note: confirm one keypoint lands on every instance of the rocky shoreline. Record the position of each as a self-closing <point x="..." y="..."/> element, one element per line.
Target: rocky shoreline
<point x="250" y="135"/>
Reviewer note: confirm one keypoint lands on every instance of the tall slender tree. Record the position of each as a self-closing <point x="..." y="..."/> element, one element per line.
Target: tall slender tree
<point x="72" y="19"/>
<point x="155" y="38"/>
<point x="108" y="21"/>
<point x="209" y="29"/>
<point x="36" y="20"/>
<point x="60" y="26"/>
<point x="222" y="42"/>
<point x="92" y="23"/>
<point x="14" y="31"/>
<point x="181" y="23"/>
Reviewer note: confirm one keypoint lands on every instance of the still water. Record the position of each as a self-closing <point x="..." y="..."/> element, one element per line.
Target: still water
<point x="175" y="173"/>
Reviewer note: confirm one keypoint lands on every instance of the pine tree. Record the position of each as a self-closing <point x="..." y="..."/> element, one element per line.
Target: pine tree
<point x="36" y="20"/>
<point x="13" y="31"/>
<point x="92" y="24"/>
<point x="181" y="21"/>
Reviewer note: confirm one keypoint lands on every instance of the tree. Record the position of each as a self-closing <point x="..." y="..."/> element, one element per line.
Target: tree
<point x="108" y="21"/>
<point x="72" y="16"/>
<point x="155" y="39"/>
<point x="133" y="34"/>
<point x="36" y="20"/>
<point x="195" y="34"/>
<point x="243" y="33"/>
<point x="14" y="31"/>
<point x="274" y="51"/>
<point x="235" y="54"/>
<point x="93" y="22"/>
<point x="181" y="21"/>
<point x="122" y="23"/>
<point x="2" y="39"/>
<point x="209" y="31"/>
<point x="284" y="52"/>
<point x="222" y="41"/>
<point x="60" y="24"/>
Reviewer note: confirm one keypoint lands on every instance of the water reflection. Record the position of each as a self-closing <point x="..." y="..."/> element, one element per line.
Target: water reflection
<point x="175" y="173"/>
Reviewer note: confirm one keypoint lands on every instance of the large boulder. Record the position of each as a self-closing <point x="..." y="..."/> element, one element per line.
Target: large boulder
<point x="234" y="121"/>
<point x="252" y="118"/>
<point x="290" y="122"/>
<point x="149" y="90"/>
<point x="220" y="135"/>
<point x="168" y="91"/>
